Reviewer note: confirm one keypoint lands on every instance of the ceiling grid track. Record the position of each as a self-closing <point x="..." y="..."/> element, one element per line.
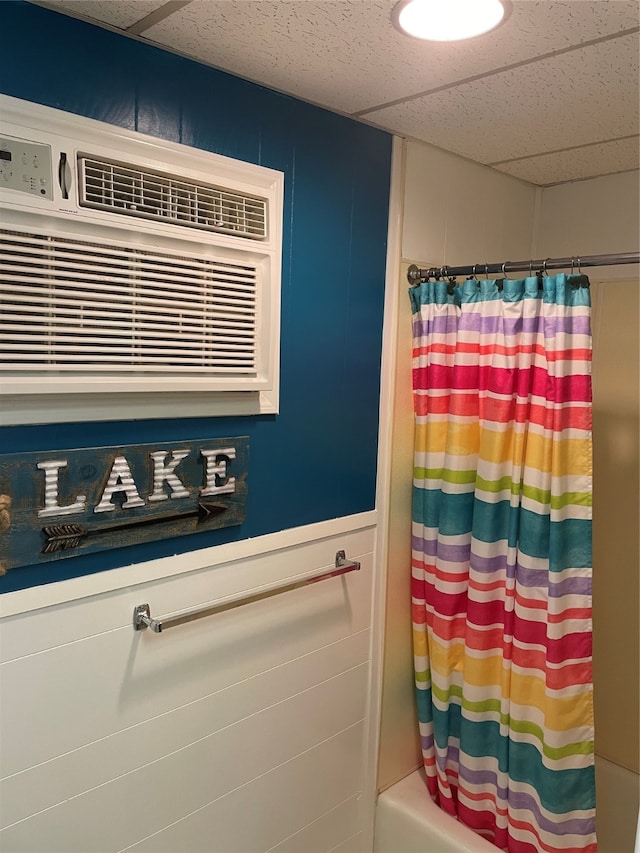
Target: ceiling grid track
<point x="156" y="16"/>
<point x="496" y="71"/>
<point x="562" y="150"/>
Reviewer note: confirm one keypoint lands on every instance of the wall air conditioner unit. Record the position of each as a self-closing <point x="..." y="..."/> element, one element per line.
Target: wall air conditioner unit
<point x="138" y="277"/>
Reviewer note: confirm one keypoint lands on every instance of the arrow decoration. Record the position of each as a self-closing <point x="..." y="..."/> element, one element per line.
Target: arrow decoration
<point x="65" y="537"/>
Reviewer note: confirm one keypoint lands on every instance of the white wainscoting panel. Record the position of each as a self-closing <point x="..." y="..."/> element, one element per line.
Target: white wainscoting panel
<point x="243" y="731"/>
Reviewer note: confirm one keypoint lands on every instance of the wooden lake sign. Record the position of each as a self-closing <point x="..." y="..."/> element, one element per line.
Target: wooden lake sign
<point x="63" y="503"/>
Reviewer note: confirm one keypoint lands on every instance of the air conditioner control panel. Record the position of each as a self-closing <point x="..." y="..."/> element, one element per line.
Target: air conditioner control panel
<point x="26" y="167"/>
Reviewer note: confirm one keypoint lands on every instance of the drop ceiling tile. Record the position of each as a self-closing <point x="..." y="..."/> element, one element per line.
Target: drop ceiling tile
<point x="116" y="13"/>
<point x="578" y="163"/>
<point x="588" y="95"/>
<point x="346" y="55"/>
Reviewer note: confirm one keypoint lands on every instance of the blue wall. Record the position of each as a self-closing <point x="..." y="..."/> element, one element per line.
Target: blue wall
<point x="316" y="460"/>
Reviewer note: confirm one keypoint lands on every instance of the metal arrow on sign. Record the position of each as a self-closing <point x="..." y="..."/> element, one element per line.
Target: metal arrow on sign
<point x="64" y="537"/>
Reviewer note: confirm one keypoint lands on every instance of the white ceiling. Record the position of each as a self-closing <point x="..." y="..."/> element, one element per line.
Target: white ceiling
<point x="552" y="95"/>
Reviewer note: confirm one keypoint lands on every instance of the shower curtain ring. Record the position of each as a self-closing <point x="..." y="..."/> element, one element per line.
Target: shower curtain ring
<point x="579" y="270"/>
<point x="486" y="270"/>
<point x="530" y="267"/>
<point x="504" y="275"/>
<point x="544" y="266"/>
<point x="451" y="286"/>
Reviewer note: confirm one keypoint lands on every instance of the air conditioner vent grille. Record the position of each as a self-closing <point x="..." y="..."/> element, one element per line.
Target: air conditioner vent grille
<point x="144" y="193"/>
<point x="74" y="307"/>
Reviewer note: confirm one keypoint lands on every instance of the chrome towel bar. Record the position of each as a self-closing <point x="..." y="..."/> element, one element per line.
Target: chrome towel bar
<point x="142" y="614"/>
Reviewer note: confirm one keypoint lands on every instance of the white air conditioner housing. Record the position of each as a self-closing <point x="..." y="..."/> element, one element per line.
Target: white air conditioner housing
<point x="135" y="274"/>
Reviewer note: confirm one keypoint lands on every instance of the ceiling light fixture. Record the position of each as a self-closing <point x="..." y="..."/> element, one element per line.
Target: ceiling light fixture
<point x="447" y="20"/>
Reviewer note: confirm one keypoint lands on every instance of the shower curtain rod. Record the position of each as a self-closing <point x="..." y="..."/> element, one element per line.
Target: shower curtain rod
<point x="417" y="275"/>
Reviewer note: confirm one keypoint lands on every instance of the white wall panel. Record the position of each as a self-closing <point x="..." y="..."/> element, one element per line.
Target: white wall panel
<point x="592" y="217"/>
<point x="119" y="678"/>
<point x="278" y="803"/>
<point x="351" y="845"/>
<point x="458" y="212"/>
<point x="325" y="833"/>
<point x="156" y="794"/>
<point x="68" y="775"/>
<point x="212" y="579"/>
<point x="109" y="736"/>
<point x="89" y="586"/>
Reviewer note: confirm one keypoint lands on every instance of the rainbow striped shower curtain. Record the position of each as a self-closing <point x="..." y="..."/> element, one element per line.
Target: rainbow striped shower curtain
<point x="502" y="557"/>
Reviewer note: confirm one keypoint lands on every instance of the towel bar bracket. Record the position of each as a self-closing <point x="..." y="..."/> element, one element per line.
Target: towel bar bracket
<point x="142" y="618"/>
